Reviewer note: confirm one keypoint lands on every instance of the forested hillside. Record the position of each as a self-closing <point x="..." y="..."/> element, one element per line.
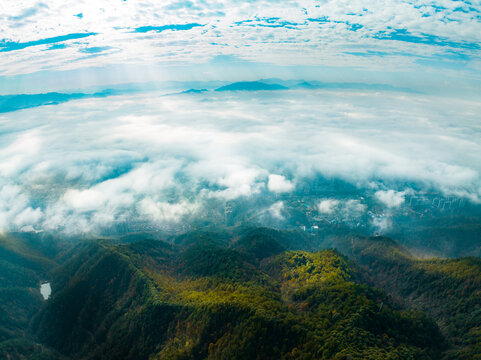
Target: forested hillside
<point x="448" y="290"/>
<point x="247" y="294"/>
<point x="24" y="263"/>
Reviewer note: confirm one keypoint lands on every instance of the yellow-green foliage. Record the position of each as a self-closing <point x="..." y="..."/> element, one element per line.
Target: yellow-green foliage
<point x="463" y="269"/>
<point x="314" y="296"/>
<point x="131" y="303"/>
<point x="251" y="297"/>
<point x="306" y="268"/>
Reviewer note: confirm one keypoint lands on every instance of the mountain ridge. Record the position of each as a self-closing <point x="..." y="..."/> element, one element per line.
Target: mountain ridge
<point x="248" y="292"/>
<point x="251" y="86"/>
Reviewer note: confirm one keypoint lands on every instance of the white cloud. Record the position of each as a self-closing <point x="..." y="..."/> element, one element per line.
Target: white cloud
<point x="342" y="209"/>
<point x="390" y="198"/>
<point x="328" y="206"/>
<point x="15" y="209"/>
<point x="161" y="212"/>
<point x="239" y="182"/>
<point x="275" y="210"/>
<point x="382" y="223"/>
<point x="279" y="184"/>
<point x="84" y="199"/>
<point x="28" y="216"/>
<point x="354" y="208"/>
<point x="19" y="154"/>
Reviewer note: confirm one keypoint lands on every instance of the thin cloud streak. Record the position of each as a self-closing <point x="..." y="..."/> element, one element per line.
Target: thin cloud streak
<point x="397" y="35"/>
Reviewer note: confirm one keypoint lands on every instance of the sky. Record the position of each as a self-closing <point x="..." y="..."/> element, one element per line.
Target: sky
<point x="73" y="44"/>
<point x="397" y="110"/>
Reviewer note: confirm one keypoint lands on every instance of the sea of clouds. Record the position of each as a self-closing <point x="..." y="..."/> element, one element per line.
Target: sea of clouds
<point x="84" y="165"/>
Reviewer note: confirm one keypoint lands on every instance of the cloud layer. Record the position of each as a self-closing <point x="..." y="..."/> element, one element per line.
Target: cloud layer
<point x="388" y="35"/>
<point x="91" y="164"/>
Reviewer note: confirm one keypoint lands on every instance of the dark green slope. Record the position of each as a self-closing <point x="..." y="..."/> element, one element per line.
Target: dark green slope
<point x="448" y="290"/>
<point x="98" y="289"/>
<point x="260" y="243"/>
<point x="217" y="299"/>
<point x="21" y="270"/>
<point x="24" y="263"/>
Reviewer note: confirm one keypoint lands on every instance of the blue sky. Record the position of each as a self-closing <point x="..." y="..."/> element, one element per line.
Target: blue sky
<point x="393" y="41"/>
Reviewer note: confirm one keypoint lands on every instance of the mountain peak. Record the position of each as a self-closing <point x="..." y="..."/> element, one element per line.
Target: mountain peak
<point x="251" y="86"/>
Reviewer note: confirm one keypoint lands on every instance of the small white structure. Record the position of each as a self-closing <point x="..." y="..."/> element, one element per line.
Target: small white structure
<point x="45" y="290"/>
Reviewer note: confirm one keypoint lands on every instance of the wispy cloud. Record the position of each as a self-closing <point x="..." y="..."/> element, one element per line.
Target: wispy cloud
<point x="298" y="32"/>
<point x="429" y="39"/>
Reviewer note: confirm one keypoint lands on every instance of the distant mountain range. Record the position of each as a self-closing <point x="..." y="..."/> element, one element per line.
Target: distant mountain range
<point x="279" y="84"/>
<point x="314" y="84"/>
<point x="251" y="86"/>
<point x="9" y="103"/>
<point x="194" y="91"/>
